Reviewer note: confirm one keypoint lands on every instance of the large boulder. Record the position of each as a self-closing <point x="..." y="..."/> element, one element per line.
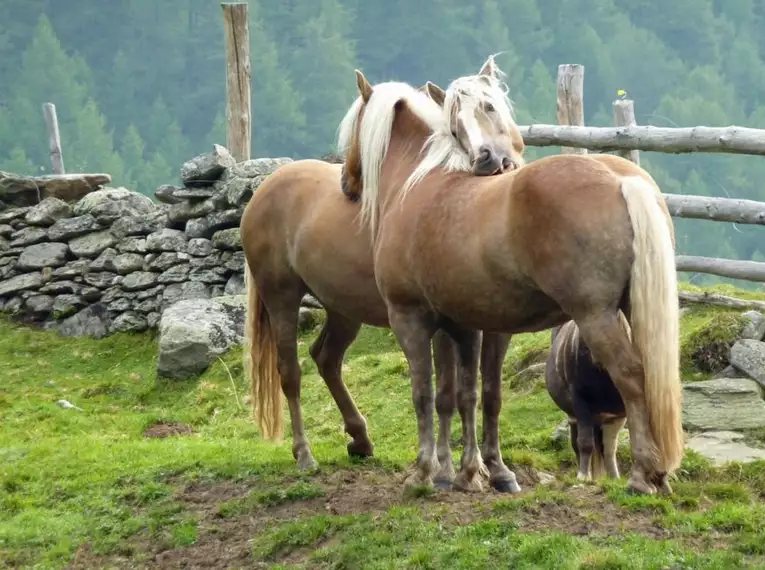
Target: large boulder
<point x="723" y="404"/>
<point x="194" y="332"/>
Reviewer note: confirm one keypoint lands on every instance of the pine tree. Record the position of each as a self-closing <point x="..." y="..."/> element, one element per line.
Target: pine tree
<point x="321" y="68"/>
<point x="18" y="163"/>
<point x="91" y="147"/>
<point x="132" y="154"/>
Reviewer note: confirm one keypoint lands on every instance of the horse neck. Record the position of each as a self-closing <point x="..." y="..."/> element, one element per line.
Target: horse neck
<point x="408" y="137"/>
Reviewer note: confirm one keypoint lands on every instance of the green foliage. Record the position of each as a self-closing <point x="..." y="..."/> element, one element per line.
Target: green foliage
<point x="91" y="483"/>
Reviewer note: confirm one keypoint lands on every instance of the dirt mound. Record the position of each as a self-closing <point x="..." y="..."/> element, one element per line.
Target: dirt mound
<point x="167" y="429"/>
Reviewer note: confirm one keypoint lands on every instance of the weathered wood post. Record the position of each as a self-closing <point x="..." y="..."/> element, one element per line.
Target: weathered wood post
<point x="624" y="116"/>
<point x="54" y="138"/>
<point x="238" y="120"/>
<point x="570" y="103"/>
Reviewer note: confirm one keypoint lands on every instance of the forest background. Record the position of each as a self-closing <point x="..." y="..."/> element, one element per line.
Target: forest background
<point x="139" y="85"/>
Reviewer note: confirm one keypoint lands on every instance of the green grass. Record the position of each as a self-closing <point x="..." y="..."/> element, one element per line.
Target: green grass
<point x="88" y="486"/>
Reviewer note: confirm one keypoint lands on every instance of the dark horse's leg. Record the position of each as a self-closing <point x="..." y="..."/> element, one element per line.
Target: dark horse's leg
<point x="327" y="351"/>
<point x="493" y="350"/>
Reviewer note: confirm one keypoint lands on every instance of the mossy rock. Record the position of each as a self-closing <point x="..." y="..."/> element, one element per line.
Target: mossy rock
<point x="706" y="338"/>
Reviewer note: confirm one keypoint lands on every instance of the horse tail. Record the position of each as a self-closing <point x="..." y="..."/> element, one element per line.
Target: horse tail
<point x="598" y="457"/>
<point x="655" y="318"/>
<point x="261" y="364"/>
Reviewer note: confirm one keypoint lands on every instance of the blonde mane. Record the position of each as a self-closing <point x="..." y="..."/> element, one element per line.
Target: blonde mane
<point x="441" y="148"/>
<point x="375" y="131"/>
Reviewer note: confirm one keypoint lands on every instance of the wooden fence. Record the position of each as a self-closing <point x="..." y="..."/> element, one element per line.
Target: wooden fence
<point x="627" y="138"/>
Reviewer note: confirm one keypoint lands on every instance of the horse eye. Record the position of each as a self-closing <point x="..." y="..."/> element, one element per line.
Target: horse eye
<point x="488" y="107"/>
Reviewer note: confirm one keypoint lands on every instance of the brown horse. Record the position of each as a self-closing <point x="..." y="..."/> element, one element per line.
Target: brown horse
<point x="301" y="235"/>
<point x="564" y="237"/>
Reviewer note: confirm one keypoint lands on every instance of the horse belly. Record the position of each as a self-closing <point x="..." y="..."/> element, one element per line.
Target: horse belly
<point x="339" y="273"/>
<point x="486" y="304"/>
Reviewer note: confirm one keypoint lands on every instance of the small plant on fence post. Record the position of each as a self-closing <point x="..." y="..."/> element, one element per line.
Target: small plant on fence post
<point x="238" y="120"/>
<point x="624" y="116"/>
<point x="54" y="138"/>
<point x="570" y="103"/>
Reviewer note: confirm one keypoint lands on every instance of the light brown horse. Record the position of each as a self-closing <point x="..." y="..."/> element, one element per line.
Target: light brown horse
<point x="564" y="237"/>
<point x="300" y="235"/>
<point x="581" y="387"/>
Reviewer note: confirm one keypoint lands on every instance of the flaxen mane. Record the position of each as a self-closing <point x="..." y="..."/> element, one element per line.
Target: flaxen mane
<point x="374" y="134"/>
<point x="468" y="92"/>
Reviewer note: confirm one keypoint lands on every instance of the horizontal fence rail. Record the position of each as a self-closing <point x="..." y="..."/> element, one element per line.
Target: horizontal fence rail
<point x="730" y="140"/>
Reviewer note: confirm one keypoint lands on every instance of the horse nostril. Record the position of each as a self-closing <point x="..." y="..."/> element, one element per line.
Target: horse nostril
<point x="507" y="164"/>
<point x="484" y="154"/>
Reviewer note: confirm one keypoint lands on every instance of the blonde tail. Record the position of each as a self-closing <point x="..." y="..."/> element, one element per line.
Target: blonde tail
<point x="261" y="365"/>
<point x="655" y="318"/>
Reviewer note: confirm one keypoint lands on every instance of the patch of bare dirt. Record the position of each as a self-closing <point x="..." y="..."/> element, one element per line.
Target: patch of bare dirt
<point x="167" y="429"/>
<point x="227" y="542"/>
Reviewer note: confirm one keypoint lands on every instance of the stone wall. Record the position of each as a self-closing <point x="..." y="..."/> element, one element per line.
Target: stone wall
<point x="114" y="260"/>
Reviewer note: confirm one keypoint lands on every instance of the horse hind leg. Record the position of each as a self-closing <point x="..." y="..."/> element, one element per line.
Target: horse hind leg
<point x="610" y="345"/>
<point x="471" y="463"/>
<point x="337" y="334"/>
<point x="283" y="311"/>
<point x="445" y="360"/>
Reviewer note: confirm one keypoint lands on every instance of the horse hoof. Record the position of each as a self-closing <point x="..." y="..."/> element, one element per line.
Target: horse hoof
<point x="640" y="487"/>
<point x="461" y="483"/>
<point x="360" y="450"/>
<point x="506" y="486"/>
<point x="307" y="464"/>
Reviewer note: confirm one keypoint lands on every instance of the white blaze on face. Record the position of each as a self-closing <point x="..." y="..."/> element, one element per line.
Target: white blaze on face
<point x="472" y="129"/>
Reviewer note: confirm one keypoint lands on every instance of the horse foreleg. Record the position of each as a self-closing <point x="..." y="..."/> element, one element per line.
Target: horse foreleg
<point x="445" y="358"/>
<point x="337" y="334"/>
<point x="493" y="350"/>
<point x="414" y="329"/>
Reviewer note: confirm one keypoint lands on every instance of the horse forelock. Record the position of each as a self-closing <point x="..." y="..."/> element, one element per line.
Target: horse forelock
<point x="374" y="134"/>
<point x="442" y="148"/>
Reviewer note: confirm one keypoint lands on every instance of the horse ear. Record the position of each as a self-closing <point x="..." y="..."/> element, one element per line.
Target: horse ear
<point x="436" y="93"/>
<point x="489" y="67"/>
<point x="365" y="89"/>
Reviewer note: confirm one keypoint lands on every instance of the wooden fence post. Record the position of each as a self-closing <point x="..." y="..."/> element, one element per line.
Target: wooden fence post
<point x="54" y="138"/>
<point x="570" y="103"/>
<point x="237" y="36"/>
<point x="624" y="116"/>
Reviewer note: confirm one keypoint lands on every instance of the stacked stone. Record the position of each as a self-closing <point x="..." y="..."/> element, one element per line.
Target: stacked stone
<point x="216" y="189"/>
<point x="115" y="260"/>
<point x="61" y="259"/>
